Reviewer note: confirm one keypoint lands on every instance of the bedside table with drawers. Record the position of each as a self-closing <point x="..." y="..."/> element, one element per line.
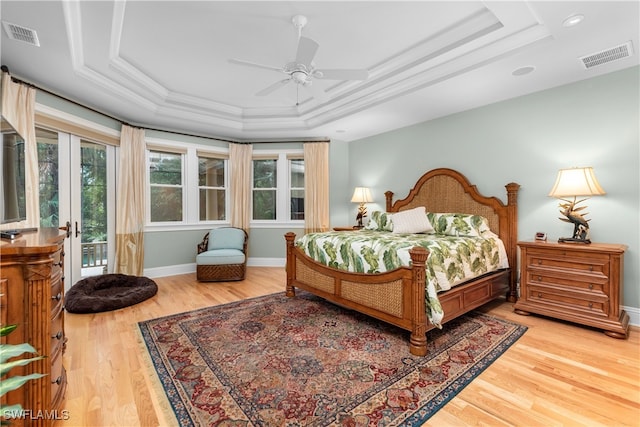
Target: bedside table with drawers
<point x="580" y="283"/>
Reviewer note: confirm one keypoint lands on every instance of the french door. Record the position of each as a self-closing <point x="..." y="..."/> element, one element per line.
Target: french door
<point x="77" y="182"/>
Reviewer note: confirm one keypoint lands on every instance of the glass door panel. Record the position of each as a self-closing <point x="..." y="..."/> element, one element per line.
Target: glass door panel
<point x="93" y="208"/>
<point x="77" y="178"/>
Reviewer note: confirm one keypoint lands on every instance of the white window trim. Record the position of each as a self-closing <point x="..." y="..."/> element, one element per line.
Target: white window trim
<point x="190" y="198"/>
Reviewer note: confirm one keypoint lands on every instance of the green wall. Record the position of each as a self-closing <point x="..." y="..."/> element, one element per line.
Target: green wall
<point x="526" y="140"/>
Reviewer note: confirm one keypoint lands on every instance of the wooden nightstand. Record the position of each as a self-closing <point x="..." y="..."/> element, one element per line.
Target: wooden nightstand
<point x="575" y="282"/>
<point x="354" y="228"/>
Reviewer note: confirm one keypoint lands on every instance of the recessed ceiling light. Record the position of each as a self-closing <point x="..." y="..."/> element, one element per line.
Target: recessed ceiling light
<point x="573" y="20"/>
<point x="522" y="71"/>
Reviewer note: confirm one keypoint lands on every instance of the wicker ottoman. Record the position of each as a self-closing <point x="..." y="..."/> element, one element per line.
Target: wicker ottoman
<point x="220" y="273"/>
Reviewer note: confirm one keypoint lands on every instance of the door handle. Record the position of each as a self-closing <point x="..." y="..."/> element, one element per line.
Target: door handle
<point x="67" y="228"/>
<point x="78" y="232"/>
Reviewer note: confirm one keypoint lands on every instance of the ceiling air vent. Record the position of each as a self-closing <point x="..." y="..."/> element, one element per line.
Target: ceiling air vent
<point x="608" y="55"/>
<point x="17" y="32"/>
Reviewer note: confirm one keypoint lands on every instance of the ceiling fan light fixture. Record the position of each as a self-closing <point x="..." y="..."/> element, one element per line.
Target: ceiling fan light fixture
<point x="299" y="77"/>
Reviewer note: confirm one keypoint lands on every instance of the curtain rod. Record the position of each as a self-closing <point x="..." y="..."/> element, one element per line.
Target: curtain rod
<point x="18" y="80"/>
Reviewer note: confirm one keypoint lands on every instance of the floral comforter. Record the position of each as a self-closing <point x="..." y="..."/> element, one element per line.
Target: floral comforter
<point x="452" y="260"/>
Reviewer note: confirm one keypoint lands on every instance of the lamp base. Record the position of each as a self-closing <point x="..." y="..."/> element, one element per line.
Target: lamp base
<point x="573" y="240"/>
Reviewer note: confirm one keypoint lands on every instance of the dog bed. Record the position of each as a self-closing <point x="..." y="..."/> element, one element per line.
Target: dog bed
<point x="108" y="292"/>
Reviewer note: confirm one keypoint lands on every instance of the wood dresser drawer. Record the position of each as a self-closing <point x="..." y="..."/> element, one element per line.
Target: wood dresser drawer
<point x="580" y="283"/>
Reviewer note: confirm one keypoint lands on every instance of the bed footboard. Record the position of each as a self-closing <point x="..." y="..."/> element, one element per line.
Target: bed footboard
<point x="396" y="297"/>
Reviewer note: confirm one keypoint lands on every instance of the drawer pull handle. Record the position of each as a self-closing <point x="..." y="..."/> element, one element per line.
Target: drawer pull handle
<point x="590" y="305"/>
<point x="590" y="286"/>
<point x="539" y="278"/>
<point x="58" y="336"/>
<point x="57" y="381"/>
<point x="57" y="297"/>
<point x="591" y="268"/>
<point x="539" y="262"/>
<point x="539" y="295"/>
<point x="59" y="264"/>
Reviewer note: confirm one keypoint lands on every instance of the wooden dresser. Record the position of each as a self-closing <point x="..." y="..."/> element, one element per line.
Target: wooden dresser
<point x="32" y="288"/>
<point x="580" y="283"/>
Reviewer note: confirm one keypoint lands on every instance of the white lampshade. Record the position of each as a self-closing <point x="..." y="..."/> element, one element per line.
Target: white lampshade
<point x="361" y="195"/>
<point x="576" y="182"/>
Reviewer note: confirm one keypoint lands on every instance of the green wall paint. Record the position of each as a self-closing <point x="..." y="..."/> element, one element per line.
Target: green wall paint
<point x="526" y="140"/>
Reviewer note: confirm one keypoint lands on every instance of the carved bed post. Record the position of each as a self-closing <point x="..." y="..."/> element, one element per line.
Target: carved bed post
<point x="290" y="264"/>
<point x="418" y="338"/>
<point x="512" y="244"/>
<point x="389" y="198"/>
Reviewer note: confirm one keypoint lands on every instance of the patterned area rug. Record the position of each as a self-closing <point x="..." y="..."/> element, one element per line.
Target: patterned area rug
<point x="278" y="361"/>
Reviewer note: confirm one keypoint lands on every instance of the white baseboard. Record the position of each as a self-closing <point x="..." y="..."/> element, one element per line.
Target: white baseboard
<point x="634" y="315"/>
<point x="172" y="270"/>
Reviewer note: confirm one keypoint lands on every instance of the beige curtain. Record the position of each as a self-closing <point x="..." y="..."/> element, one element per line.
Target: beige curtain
<point x="18" y="109"/>
<point x="130" y="203"/>
<point x="316" y="186"/>
<point x="240" y="169"/>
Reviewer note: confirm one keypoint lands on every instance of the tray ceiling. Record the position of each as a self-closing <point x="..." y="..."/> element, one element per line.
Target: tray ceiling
<point x="165" y="64"/>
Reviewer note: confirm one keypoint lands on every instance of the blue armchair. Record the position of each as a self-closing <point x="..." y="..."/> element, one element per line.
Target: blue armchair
<point x="222" y="255"/>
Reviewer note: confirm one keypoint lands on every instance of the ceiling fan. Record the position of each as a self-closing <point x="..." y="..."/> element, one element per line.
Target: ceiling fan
<point x="302" y="71"/>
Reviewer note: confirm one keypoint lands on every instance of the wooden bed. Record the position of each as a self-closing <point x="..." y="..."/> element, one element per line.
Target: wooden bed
<point x="398" y="296"/>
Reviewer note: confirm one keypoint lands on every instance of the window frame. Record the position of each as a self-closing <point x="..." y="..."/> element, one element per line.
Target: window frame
<point x="225" y="159"/>
<point x="190" y="195"/>
<point x="283" y="188"/>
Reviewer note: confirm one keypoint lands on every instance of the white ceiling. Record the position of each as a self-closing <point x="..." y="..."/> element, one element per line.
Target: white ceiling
<point x="165" y="64"/>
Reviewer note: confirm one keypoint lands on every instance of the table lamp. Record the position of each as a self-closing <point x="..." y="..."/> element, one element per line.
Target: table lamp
<point x="574" y="183"/>
<point x="361" y="195"/>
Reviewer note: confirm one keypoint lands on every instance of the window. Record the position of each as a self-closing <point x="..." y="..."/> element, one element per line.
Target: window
<point x="265" y="189"/>
<point x="296" y="187"/>
<point x="165" y="181"/>
<point x="278" y="188"/>
<point x="212" y="189"/>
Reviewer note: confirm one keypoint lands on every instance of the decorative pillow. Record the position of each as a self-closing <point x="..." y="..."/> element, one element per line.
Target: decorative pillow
<point x="412" y="221"/>
<point x="380" y="221"/>
<point x="457" y="224"/>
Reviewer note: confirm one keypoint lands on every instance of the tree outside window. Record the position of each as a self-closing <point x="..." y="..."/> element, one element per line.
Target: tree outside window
<point x="265" y="189"/>
<point x="165" y="178"/>
<point x="296" y="168"/>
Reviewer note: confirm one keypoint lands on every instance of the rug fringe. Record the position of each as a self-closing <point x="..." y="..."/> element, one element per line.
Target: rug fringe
<point x="164" y="411"/>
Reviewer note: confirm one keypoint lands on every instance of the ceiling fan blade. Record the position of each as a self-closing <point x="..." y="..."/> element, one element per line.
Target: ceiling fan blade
<point x="253" y="64"/>
<point x="317" y="92"/>
<point x="307" y="49"/>
<point x="277" y="85"/>
<point x="344" y="74"/>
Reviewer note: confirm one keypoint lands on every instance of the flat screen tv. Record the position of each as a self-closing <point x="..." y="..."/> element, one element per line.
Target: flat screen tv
<point x="12" y="179"/>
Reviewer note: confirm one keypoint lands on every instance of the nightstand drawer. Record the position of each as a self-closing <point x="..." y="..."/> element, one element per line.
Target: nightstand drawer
<point x="588" y="283"/>
<point x="570" y="261"/>
<point x="570" y="302"/>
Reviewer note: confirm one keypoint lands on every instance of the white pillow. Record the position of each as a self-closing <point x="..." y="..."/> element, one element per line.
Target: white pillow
<point x="412" y="221"/>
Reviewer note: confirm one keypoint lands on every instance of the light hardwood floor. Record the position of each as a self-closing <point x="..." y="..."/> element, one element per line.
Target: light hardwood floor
<point x="556" y="374"/>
